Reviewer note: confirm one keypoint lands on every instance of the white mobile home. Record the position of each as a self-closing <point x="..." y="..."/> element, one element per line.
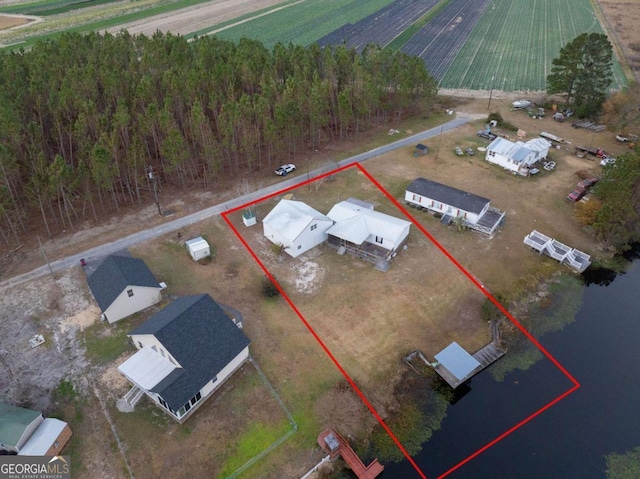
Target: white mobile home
<point x="476" y="212"/>
<point x="296" y="227"/>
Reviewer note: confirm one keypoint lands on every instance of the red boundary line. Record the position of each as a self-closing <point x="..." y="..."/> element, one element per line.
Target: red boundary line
<point x="448" y="255"/>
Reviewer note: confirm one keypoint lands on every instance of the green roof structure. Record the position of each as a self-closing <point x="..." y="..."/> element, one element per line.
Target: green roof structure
<point x="14" y="421"/>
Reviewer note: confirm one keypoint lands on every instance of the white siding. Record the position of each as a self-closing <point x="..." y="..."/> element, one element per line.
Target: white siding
<point x="126" y="305"/>
<point x="151" y="340"/>
<point x="307" y="239"/>
<point x="439" y="207"/>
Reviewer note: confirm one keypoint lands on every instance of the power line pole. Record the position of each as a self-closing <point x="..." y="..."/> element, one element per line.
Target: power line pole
<point x="154" y="180"/>
<point x="44" y="255"/>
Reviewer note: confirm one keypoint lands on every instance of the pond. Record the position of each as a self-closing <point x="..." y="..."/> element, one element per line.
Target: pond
<point x="571" y="438"/>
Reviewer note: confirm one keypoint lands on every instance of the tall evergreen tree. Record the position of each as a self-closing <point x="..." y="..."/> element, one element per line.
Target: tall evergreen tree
<point x="583" y="72"/>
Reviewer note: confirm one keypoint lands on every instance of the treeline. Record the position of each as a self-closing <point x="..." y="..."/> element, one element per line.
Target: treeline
<point x="83" y="117"/>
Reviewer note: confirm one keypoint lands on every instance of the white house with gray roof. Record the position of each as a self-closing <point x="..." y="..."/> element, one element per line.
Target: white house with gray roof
<point x="295" y="226"/>
<point x="186" y="352"/>
<point x="475" y="211"/>
<point x="517" y="157"/>
<point x="122" y="286"/>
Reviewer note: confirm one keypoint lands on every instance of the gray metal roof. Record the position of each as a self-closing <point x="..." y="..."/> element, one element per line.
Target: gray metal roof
<point x="201" y="337"/>
<point x="448" y="195"/>
<point x="458" y="361"/>
<point x="115" y="274"/>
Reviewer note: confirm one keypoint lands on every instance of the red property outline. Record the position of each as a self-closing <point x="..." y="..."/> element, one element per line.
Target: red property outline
<point x="469" y="276"/>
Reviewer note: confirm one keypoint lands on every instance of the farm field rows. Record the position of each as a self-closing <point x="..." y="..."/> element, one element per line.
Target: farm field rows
<point x="380" y="27"/>
<point x="514" y="42"/>
<point x="304" y="22"/>
<point x="438" y="42"/>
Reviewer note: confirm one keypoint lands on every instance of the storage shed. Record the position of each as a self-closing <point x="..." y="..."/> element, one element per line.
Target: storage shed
<point x="198" y="248"/>
<point x="421" y="150"/>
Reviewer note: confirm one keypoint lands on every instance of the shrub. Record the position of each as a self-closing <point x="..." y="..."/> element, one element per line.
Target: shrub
<point x="269" y="289"/>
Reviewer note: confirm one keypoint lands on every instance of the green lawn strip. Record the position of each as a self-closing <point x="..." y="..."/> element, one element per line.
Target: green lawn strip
<point x="105" y="342"/>
<point x="69" y="7"/>
<point x="25" y="8"/>
<point x="257" y="438"/>
<point x="109" y="22"/>
<point x="398" y="42"/>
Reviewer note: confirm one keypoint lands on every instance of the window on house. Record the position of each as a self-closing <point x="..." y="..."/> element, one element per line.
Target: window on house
<point x="56" y="443"/>
<point x="379" y="239"/>
<point x="140" y="344"/>
<point x="130" y="292"/>
<point x="187" y="407"/>
<point x="299" y="246"/>
<point x="162" y="352"/>
<point x="314" y="226"/>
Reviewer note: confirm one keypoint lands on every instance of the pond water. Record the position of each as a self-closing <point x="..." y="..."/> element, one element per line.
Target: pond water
<point x="601" y="349"/>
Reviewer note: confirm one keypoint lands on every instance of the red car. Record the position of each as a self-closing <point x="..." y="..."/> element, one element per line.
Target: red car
<point x="577" y="194"/>
<point x="586" y="183"/>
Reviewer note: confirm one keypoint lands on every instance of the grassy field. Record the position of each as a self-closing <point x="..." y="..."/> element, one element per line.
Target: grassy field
<point x="48" y="7"/>
<point x="512" y="46"/>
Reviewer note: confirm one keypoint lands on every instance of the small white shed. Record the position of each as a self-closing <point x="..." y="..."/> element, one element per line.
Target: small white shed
<point x="198" y="248"/>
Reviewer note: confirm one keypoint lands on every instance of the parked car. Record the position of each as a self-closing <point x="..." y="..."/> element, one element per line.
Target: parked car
<point x="470" y="151"/>
<point x="284" y="169"/>
<point x="622" y="139"/>
<point x="607" y="160"/>
<point x="577" y="194"/>
<point x="458" y="151"/>
<point x="586" y="183"/>
<point x="486" y="134"/>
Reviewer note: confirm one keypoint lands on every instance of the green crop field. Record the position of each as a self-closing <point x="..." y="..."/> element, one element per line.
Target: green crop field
<point x="303" y="22"/>
<point x="48" y="7"/>
<point x="514" y="43"/>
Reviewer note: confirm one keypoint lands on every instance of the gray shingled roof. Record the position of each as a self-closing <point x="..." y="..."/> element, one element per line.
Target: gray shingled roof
<point x="448" y="195"/>
<point x="115" y="274"/>
<point x="201" y="337"/>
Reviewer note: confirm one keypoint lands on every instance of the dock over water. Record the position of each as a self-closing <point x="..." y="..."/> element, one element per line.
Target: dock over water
<point x="335" y="445"/>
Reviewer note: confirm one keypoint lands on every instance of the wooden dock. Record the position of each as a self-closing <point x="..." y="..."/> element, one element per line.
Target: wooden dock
<point x="335" y="445"/>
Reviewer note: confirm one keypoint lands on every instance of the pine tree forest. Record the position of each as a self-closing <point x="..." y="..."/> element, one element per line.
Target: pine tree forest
<point x="84" y="117"/>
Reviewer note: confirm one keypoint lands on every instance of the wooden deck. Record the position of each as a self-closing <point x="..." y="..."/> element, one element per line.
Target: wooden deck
<point x="350" y="457"/>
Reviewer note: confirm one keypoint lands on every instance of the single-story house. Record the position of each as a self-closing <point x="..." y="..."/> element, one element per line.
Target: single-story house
<point x="296" y="227"/>
<point x="186" y="351"/>
<point x="122" y="286"/>
<point x="476" y="212"/>
<point x="517" y="157"/>
<point x="366" y="233"/>
<point x="198" y="248"/>
<point x="28" y="433"/>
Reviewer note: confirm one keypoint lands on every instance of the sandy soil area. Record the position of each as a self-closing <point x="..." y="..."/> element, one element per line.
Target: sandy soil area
<point x="196" y="18"/>
<point x="16" y="21"/>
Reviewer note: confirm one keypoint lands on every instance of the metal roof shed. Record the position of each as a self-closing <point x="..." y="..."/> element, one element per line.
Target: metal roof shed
<point x="198" y="248"/>
<point x="457" y="361"/>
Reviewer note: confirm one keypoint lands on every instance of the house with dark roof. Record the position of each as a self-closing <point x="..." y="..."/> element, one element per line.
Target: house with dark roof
<point x="185" y="353"/>
<point x="473" y="211"/>
<point x="29" y="433"/>
<point x="122" y="286"/>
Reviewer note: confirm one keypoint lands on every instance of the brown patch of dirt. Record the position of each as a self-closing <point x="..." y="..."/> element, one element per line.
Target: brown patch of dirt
<point x="622" y="18"/>
<point x="10" y="21"/>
